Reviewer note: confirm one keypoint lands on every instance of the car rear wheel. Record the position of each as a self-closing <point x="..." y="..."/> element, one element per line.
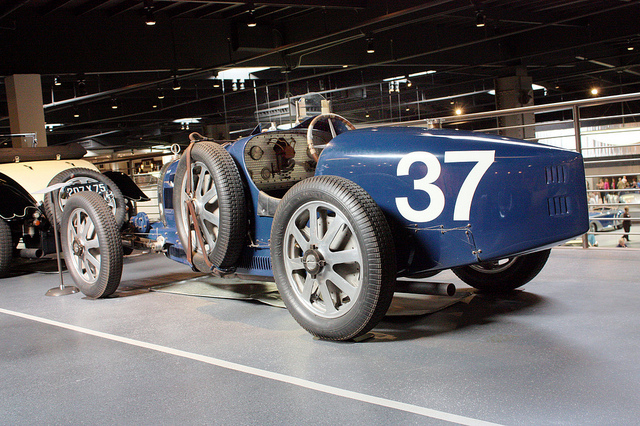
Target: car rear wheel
<point x="333" y="257"/>
<point x="91" y="244"/>
<point x="503" y="275"/>
<point x="6" y="248"/>
<point x="219" y="202"/>
<point x="84" y="180"/>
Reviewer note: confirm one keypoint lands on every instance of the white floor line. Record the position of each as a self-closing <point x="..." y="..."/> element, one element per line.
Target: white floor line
<point x="331" y="390"/>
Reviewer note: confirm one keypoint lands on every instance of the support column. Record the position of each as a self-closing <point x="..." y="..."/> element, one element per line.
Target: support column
<point x="515" y="92"/>
<point x="26" y="111"/>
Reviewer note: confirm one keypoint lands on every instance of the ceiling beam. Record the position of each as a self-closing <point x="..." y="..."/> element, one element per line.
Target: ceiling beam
<point x="330" y="4"/>
<point x="53" y="6"/>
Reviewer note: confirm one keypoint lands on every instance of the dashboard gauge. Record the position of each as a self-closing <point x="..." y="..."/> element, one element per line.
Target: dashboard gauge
<point x="265" y="173"/>
<point x="256" y="152"/>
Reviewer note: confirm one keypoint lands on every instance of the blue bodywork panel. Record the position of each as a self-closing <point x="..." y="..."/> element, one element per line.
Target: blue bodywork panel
<point x="451" y="198"/>
<point x="494" y="197"/>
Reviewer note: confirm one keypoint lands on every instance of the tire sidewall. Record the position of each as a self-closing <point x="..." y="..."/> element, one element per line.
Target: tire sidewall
<point x="367" y="292"/>
<point x="225" y="252"/>
<point x="520" y="271"/>
<point x="111" y="249"/>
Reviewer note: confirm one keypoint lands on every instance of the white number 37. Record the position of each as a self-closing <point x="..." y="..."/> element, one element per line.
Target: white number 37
<point x="483" y="160"/>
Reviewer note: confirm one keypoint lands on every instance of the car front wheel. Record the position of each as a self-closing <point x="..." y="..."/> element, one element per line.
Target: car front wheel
<point x="333" y="257"/>
<point x="91" y="244"/>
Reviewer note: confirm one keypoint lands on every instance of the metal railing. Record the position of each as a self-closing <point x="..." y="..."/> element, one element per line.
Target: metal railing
<point x="5" y="138"/>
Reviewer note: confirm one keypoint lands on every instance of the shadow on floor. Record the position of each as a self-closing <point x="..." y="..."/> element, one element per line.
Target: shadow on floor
<point x="478" y="309"/>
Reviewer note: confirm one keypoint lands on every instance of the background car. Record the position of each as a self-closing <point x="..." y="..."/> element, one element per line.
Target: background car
<point x="26" y="228"/>
<point x="605" y="219"/>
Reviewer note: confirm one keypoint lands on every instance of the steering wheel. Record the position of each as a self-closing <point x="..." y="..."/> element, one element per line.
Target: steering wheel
<point x="312" y="149"/>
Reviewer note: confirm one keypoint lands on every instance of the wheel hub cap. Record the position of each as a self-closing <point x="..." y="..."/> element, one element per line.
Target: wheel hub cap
<point x="77" y="247"/>
<point x="197" y="206"/>
<point x="313" y="261"/>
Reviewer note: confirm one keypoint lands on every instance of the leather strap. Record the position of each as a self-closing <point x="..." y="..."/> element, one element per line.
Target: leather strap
<point x="191" y="213"/>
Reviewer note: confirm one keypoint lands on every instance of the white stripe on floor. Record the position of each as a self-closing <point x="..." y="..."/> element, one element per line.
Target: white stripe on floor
<point x="331" y="390"/>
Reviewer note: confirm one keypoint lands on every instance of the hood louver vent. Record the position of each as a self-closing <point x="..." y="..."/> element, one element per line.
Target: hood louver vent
<point x="555" y="174"/>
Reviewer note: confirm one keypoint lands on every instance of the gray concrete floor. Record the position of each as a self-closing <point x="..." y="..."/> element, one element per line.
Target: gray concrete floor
<point x="564" y="350"/>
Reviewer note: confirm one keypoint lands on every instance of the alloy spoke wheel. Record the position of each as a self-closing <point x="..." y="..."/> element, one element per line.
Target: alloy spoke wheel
<point x="207" y="207"/>
<point x="85" y="247"/>
<point x="323" y="259"/>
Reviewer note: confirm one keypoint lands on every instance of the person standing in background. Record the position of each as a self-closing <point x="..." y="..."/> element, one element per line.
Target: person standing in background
<point x="626" y="223"/>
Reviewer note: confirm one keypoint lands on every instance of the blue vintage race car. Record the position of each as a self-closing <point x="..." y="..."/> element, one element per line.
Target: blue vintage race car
<point x="335" y="216"/>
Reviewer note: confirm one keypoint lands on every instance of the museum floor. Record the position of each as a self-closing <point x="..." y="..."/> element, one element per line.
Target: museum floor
<point x="564" y="350"/>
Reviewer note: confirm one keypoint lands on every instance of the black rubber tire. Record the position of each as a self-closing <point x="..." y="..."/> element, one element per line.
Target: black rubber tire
<point x="362" y="227"/>
<point x="493" y="278"/>
<point x="6" y="248"/>
<point x="97" y="275"/>
<point x="226" y="239"/>
<point x="115" y="199"/>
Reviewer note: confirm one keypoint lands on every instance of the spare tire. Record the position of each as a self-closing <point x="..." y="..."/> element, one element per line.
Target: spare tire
<point x="220" y="204"/>
<point x="82" y="179"/>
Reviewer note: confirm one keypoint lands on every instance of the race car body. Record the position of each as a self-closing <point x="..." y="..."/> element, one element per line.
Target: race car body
<point x="336" y="220"/>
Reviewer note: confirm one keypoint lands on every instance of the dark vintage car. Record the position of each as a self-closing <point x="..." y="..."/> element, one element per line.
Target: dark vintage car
<point x="27" y="212"/>
<point x="335" y="216"/>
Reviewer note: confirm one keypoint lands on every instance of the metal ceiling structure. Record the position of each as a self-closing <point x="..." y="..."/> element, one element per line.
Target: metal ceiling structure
<point x="94" y="55"/>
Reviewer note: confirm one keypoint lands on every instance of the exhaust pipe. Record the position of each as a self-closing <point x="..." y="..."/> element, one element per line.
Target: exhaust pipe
<point x="418" y="287"/>
<point x="31" y="253"/>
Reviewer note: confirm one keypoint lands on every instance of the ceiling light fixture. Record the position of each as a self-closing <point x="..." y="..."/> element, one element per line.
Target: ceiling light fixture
<point x="56" y="81"/>
<point x="160" y="94"/>
<point x="594" y="91"/>
<point x="114" y="103"/>
<point x="76" y="113"/>
<point x="148" y="13"/>
<point x="370" y="47"/>
<point x="480" y="19"/>
<point x="459" y="111"/>
<point x="176" y="83"/>
<point x="252" y="19"/>
<point x="149" y="20"/>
